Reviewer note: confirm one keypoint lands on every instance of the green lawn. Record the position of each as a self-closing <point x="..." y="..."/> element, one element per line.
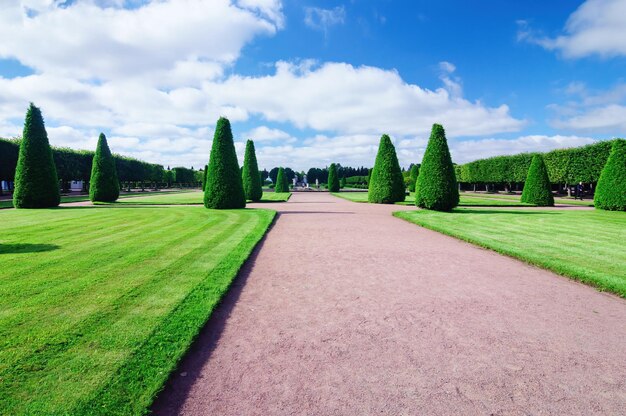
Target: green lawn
<point x="585" y="245"/>
<point x="97" y="305"/>
<point x="464" y="201"/>
<point x="191" y="198"/>
<point x="80" y="198"/>
<point x="564" y="200"/>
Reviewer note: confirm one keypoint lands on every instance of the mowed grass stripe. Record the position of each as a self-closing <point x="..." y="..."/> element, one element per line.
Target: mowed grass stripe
<point x="77" y="341"/>
<point x="584" y="245"/>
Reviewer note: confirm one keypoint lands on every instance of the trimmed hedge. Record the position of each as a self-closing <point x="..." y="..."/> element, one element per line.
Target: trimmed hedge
<point x="224" y="189"/>
<point x="611" y="190"/>
<point x="413" y="174"/>
<point x="436" y="187"/>
<point x="537" y="185"/>
<point x="386" y="184"/>
<point x="281" y="181"/>
<point x="333" y="179"/>
<point x="104" y="185"/>
<point x="250" y="174"/>
<point x="36" y="180"/>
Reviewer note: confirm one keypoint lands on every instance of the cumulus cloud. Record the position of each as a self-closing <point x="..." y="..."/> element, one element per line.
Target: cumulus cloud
<point x="267" y="134"/>
<point x="597" y="27"/>
<point x="323" y="19"/>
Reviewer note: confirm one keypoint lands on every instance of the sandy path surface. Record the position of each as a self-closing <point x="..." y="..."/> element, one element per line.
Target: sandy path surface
<point x="345" y="310"/>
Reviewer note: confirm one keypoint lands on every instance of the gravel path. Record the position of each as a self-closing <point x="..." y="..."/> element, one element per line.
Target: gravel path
<point x="345" y="310"/>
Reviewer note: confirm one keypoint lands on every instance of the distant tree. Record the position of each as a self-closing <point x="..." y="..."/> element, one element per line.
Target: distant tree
<point x="436" y="186"/>
<point x="333" y="178"/>
<point x="273" y="175"/>
<point x="611" y="190"/>
<point x="36" y="181"/>
<point x="250" y="175"/>
<point x="281" y="181"/>
<point x="104" y="185"/>
<point x="414" y="172"/>
<point x="224" y="188"/>
<point x="386" y="185"/>
<point x="537" y="188"/>
<point x="342" y="182"/>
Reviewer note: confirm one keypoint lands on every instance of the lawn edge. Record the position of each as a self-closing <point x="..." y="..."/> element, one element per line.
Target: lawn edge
<point x="509" y="253"/>
<point x="117" y="396"/>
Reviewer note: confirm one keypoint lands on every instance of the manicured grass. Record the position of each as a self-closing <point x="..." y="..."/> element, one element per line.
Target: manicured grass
<point x="80" y="198"/>
<point x="465" y="201"/>
<point x="585" y="245"/>
<point x="558" y="200"/>
<point x="97" y="305"/>
<point x="191" y="198"/>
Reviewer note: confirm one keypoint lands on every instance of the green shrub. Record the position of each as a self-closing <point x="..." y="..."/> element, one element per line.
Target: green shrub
<point x="206" y="169"/>
<point x="342" y="182"/>
<point x="436" y="187"/>
<point x="250" y="175"/>
<point x="611" y="190"/>
<point x="103" y="185"/>
<point x="386" y="185"/>
<point x="333" y="179"/>
<point x="537" y="188"/>
<point x="281" y="181"/>
<point x="224" y="189"/>
<point x="413" y="174"/>
<point x="36" y="181"/>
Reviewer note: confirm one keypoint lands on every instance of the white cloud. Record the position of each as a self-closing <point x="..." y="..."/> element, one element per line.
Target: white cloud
<point x="322" y="19"/>
<point x="267" y="134"/>
<point x="597" y="27"/>
<point x="610" y="118"/>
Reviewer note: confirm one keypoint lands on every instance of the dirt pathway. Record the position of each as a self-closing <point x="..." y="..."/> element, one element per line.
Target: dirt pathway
<point x="345" y="310"/>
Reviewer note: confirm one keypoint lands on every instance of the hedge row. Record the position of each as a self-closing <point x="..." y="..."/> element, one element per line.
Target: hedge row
<point x="76" y="164"/>
<point x="580" y="164"/>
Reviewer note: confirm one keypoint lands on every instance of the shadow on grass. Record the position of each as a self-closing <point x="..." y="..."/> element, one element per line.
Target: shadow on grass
<point x="506" y="211"/>
<point x="26" y="248"/>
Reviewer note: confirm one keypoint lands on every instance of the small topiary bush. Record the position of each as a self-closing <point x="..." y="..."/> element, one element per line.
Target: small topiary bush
<point x="36" y="181"/>
<point x="611" y="189"/>
<point x="413" y="177"/>
<point x="224" y="189"/>
<point x="281" y="181"/>
<point x="537" y="188"/>
<point x="333" y="179"/>
<point x="436" y="187"/>
<point x="386" y="184"/>
<point x="250" y="174"/>
<point x="103" y="185"/>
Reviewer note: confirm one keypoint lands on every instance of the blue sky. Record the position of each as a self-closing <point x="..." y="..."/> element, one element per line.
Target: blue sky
<point x="315" y="82"/>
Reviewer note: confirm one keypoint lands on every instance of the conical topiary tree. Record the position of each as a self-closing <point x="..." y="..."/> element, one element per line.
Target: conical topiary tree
<point x="224" y="189"/>
<point x="103" y="185"/>
<point x="611" y="190"/>
<point x="206" y="169"/>
<point x="342" y="182"/>
<point x="386" y="184"/>
<point x="281" y="181"/>
<point x="36" y="181"/>
<point x="436" y="186"/>
<point x="333" y="178"/>
<point x="413" y="174"/>
<point x="537" y="188"/>
<point x="250" y="174"/>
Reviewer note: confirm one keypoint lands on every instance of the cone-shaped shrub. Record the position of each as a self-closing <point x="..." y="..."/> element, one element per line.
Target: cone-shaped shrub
<point x="333" y="178"/>
<point x="206" y="169"/>
<point x="281" y="181"/>
<point x="611" y="190"/>
<point x="386" y="184"/>
<point x="436" y="186"/>
<point x="415" y="170"/>
<point x="103" y="185"/>
<point x="537" y="188"/>
<point x="342" y="182"/>
<point x="223" y="189"/>
<point x="250" y="174"/>
<point x="36" y="181"/>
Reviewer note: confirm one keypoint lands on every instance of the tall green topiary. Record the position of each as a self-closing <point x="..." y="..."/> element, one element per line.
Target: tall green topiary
<point x="386" y="184"/>
<point x="206" y="169"/>
<point x="333" y="178"/>
<point x="436" y="186"/>
<point x="611" y="190"/>
<point x="342" y="182"/>
<point x="414" y="173"/>
<point x="36" y="181"/>
<point x="250" y="174"/>
<point x="103" y="185"/>
<point x="224" y="188"/>
<point x="281" y="181"/>
<point x="537" y="188"/>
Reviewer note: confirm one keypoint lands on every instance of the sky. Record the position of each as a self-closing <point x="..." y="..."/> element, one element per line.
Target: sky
<point x="315" y="82"/>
